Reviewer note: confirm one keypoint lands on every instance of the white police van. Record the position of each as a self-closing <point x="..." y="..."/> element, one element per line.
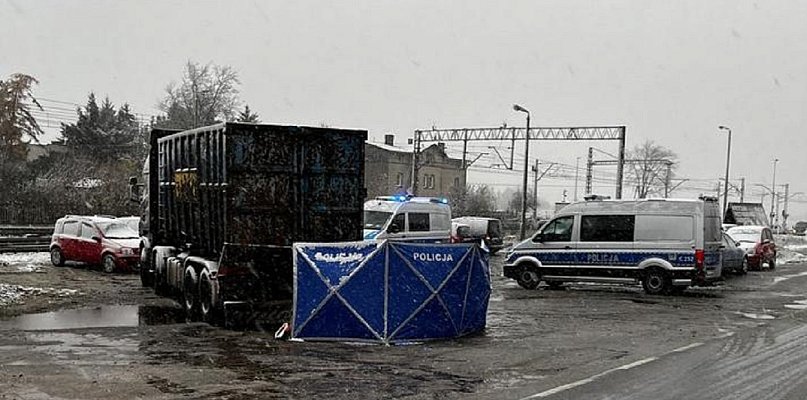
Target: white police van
<point x="407" y="218"/>
<point x="665" y="244"/>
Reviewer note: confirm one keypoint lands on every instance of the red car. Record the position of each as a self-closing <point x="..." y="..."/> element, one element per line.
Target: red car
<point x="103" y="241"/>
<point x="757" y="241"/>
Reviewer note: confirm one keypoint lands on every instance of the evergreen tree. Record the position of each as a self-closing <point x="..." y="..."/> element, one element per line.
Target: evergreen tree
<point x="248" y="116"/>
<point x="17" y="122"/>
<point x="103" y="132"/>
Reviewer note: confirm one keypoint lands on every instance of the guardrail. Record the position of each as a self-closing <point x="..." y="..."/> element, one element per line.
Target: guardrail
<point x="23" y="239"/>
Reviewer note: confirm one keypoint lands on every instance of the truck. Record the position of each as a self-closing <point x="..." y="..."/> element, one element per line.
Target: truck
<point x="221" y="206"/>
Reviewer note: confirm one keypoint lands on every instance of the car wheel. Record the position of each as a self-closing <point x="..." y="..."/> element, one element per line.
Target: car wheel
<point x="656" y="281"/>
<point x="743" y="267"/>
<point x="108" y="263"/>
<point x="772" y="263"/>
<point x="529" y="278"/>
<point x="56" y="257"/>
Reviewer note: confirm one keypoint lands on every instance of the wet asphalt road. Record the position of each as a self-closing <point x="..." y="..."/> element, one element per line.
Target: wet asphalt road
<point x="745" y="339"/>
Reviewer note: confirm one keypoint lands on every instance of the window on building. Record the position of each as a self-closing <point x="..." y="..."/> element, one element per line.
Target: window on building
<point x="419" y="222"/>
<point x="399" y="179"/>
<point x="607" y="228"/>
<point x="457" y="182"/>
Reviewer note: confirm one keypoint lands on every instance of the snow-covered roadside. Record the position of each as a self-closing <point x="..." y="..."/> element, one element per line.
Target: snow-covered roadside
<point x="11" y="294"/>
<point x="23" y="262"/>
<point x="792" y="249"/>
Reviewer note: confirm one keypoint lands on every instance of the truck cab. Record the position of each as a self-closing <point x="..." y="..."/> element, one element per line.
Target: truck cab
<point x="407" y="218"/>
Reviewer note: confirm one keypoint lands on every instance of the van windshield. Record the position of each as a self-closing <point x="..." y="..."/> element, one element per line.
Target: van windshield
<point x="376" y="219"/>
<point x="494" y="230"/>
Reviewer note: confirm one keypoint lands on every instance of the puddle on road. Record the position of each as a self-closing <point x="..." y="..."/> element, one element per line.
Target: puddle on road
<point x="98" y="317"/>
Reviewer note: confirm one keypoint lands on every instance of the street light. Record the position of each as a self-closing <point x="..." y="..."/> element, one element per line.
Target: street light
<point x="728" y="160"/>
<point x="523" y="228"/>
<point x="773" y="192"/>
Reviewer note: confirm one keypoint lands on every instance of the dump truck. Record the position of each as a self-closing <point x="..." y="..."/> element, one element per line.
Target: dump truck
<point x="221" y="206"/>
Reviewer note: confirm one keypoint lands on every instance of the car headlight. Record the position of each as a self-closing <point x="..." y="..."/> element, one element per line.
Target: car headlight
<point x="127" y="251"/>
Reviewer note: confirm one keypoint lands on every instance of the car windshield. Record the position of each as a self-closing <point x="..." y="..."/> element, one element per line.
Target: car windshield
<point x="376" y="219"/>
<point x="745" y="234"/>
<point x="117" y="230"/>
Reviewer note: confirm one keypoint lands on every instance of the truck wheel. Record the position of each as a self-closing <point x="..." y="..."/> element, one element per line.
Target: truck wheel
<point x="209" y="309"/>
<point x="190" y="294"/>
<point x="108" y="263"/>
<point x="160" y="287"/>
<point x="146" y="277"/>
<point x="656" y="281"/>
<point x="56" y="257"/>
<point x="529" y="278"/>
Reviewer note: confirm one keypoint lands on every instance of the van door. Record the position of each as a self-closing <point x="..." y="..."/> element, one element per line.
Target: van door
<point x="419" y="227"/>
<point x="556" y="249"/>
<point x="396" y="230"/>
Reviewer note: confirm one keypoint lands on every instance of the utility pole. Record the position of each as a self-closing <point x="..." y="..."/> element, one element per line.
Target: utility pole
<point x="589" y="165"/>
<point x="523" y="230"/>
<point x="784" y="210"/>
<point x="535" y="190"/>
<point x="415" y="161"/>
<point x="742" y="190"/>
<point x="576" y="173"/>
<point x="464" y="149"/>
<point x="774" y="217"/>
<point x="667" y="180"/>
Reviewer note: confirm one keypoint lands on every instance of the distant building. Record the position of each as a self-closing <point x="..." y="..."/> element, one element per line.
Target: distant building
<point x="36" y="150"/>
<point x="388" y="170"/>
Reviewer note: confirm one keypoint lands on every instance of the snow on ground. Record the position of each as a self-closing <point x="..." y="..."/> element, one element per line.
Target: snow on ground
<point x="792" y="249"/>
<point x="23" y="262"/>
<point x="10" y="294"/>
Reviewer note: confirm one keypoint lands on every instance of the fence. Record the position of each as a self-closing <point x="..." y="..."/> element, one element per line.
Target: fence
<point x="47" y="212"/>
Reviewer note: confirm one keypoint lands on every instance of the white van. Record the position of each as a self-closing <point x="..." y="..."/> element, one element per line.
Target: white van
<point x="404" y="218"/>
<point x="665" y="244"/>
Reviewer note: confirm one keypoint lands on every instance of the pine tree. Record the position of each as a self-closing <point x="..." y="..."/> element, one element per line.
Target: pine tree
<point x="248" y="116"/>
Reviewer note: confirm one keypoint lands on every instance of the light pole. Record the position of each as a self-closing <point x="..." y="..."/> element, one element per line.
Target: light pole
<point x="522" y="230"/>
<point x="773" y="192"/>
<point x="728" y="160"/>
<point x="576" y="173"/>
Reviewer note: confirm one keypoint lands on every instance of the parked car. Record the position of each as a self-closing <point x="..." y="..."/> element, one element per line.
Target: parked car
<point x="95" y="240"/>
<point x="733" y="256"/>
<point x="799" y="228"/>
<point x="757" y="241"/>
<point x="482" y="228"/>
<point x="461" y="233"/>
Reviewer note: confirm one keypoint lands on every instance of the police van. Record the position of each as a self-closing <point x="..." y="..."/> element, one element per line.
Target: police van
<point x="665" y="244"/>
<point x="407" y="218"/>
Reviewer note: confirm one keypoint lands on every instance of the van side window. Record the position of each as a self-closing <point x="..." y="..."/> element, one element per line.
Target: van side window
<point x="559" y="230"/>
<point x="419" y="222"/>
<point x="71" y="228"/>
<point x="607" y="228"/>
<point x="440" y="222"/>
<point x="398" y="221"/>
<point x="672" y="228"/>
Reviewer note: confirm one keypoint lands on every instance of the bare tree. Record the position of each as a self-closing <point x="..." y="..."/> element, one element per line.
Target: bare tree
<point x="16" y="120"/>
<point x="650" y="167"/>
<point x="206" y="94"/>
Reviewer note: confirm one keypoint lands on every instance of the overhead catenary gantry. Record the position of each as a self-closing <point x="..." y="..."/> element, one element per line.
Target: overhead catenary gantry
<point x="513" y="134"/>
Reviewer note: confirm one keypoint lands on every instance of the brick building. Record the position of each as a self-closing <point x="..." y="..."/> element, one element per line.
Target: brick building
<point x="388" y="170"/>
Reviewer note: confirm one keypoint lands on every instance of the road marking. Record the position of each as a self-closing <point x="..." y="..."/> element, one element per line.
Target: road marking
<point x="687" y="347"/>
<point x="786" y="277"/>
<point x="589" y="380"/>
<point x="634" y="364"/>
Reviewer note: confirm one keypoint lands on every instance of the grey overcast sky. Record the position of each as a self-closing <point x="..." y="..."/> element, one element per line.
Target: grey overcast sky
<point x="671" y="71"/>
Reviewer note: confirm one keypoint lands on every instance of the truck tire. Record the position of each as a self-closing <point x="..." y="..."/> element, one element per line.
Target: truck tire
<point x="190" y="294"/>
<point x="529" y="278"/>
<point x="146" y="277"/>
<point x="209" y="308"/>
<point x="656" y="281"/>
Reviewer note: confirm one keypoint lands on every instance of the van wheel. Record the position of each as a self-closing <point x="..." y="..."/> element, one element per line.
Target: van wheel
<point x="528" y="278"/>
<point x="656" y="281"/>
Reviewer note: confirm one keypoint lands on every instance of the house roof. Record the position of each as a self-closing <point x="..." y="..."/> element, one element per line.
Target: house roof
<point x="389" y="148"/>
